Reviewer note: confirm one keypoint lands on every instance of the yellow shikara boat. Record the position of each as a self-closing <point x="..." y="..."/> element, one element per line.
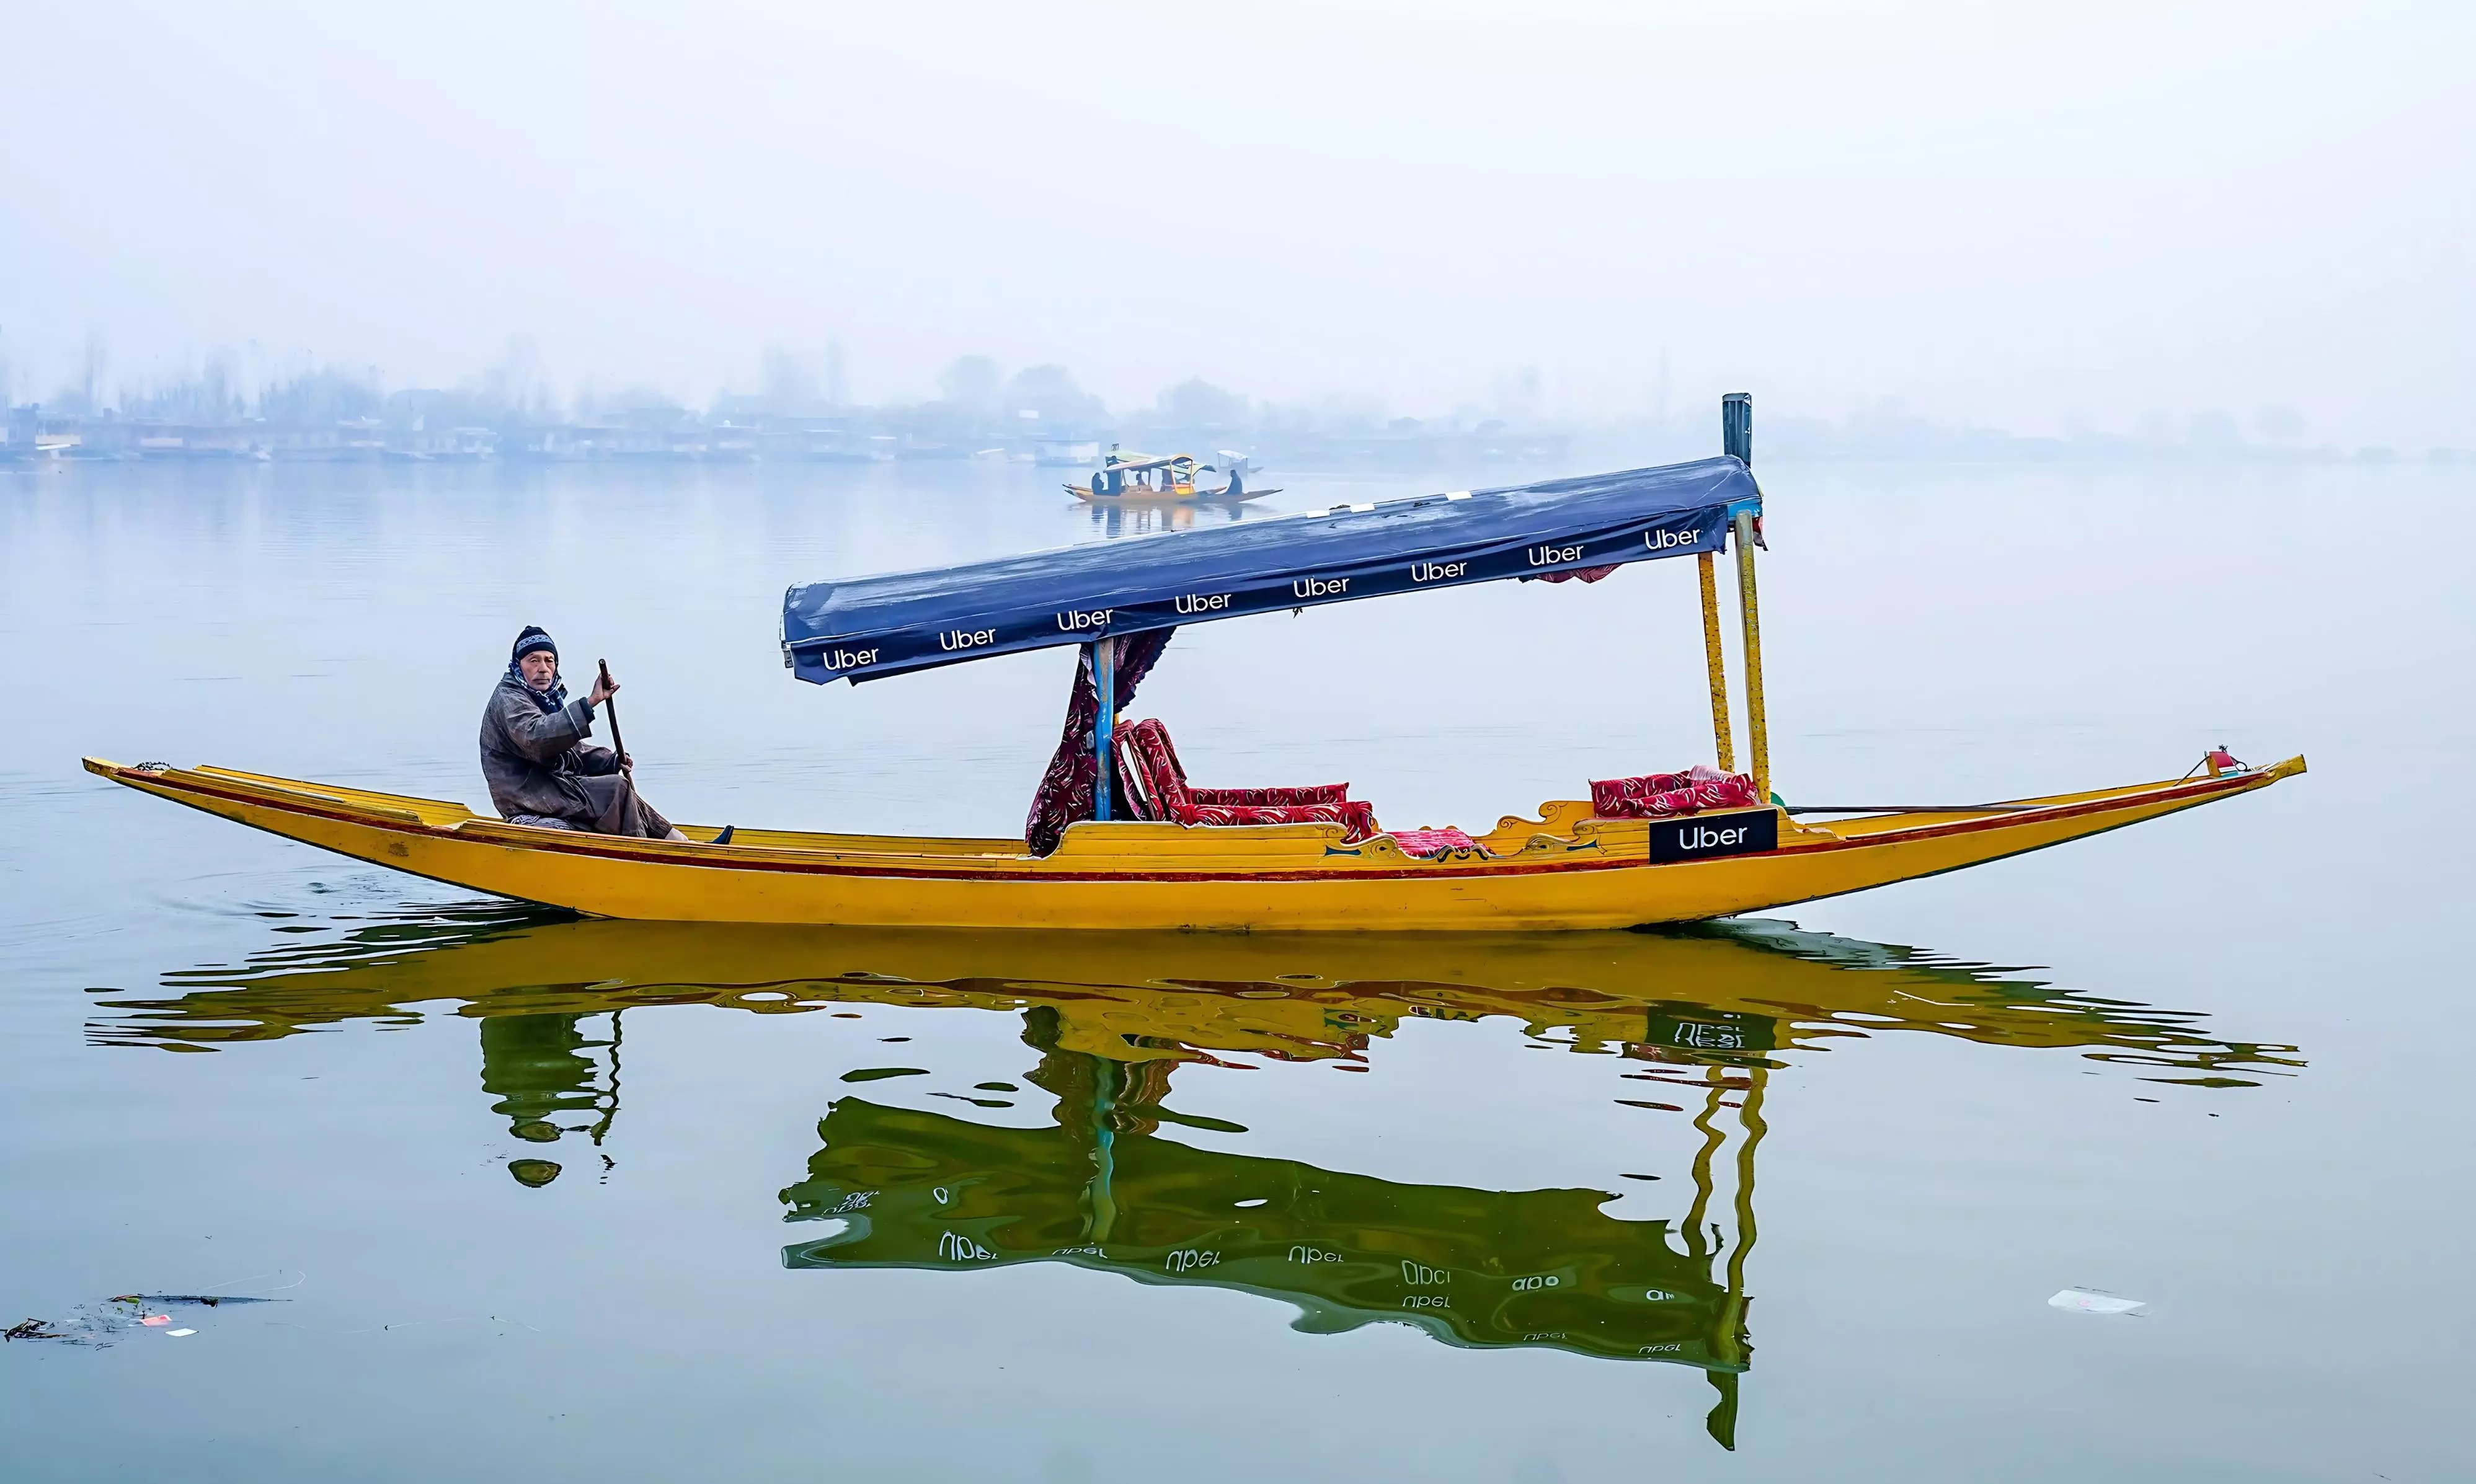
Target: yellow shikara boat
<point x="1147" y="479"/>
<point x="1567" y="869"/>
<point x="1639" y="851"/>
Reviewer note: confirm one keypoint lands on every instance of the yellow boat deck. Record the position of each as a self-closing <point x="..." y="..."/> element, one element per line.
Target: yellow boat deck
<point x="1563" y="869"/>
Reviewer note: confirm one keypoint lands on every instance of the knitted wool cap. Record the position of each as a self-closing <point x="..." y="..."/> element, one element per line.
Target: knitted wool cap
<point x="532" y="640"/>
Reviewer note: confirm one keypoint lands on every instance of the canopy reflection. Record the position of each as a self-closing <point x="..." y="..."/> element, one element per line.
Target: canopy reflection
<point x="1100" y="1188"/>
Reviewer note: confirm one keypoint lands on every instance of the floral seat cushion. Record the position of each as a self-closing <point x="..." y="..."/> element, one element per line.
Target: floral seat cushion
<point x="1154" y="784"/>
<point x="1668" y="795"/>
<point x="1432" y="842"/>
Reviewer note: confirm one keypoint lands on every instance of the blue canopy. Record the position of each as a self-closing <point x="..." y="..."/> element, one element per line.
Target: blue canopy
<point x="862" y="629"/>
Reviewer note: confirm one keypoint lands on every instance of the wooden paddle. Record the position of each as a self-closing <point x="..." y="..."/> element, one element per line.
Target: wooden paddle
<point x="611" y="703"/>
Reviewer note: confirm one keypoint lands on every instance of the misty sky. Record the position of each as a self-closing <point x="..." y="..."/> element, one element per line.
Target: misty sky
<point x="2008" y="214"/>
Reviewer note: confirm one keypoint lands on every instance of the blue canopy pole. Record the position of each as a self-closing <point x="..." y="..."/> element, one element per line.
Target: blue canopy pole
<point x="1104" y="676"/>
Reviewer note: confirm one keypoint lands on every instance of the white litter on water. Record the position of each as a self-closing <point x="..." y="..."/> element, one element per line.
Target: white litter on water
<point x="178" y="1333"/>
<point x="2090" y="1300"/>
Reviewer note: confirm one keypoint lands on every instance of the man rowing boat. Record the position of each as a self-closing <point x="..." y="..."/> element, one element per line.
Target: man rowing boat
<point x="534" y="753"/>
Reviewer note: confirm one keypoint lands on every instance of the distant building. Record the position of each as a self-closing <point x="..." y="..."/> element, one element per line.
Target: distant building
<point x="1056" y="452"/>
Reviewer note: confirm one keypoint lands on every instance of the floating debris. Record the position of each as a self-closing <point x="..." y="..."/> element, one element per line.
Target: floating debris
<point x="878" y="1074"/>
<point x="2095" y="1300"/>
<point x="123" y="1314"/>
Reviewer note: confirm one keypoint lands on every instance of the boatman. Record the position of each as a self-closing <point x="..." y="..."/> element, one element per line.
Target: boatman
<point x="535" y="756"/>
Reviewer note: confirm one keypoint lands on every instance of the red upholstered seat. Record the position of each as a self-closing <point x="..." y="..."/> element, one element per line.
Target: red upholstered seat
<point x="1157" y="746"/>
<point x="1667" y="795"/>
<point x="1154" y="784"/>
<point x="1432" y="842"/>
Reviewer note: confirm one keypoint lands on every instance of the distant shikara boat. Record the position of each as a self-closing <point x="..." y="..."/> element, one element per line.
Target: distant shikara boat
<point x="1119" y="839"/>
<point x="1146" y="478"/>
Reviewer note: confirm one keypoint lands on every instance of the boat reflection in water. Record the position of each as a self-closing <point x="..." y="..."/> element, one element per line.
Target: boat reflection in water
<point x="1481" y="1269"/>
<point x="1706" y="1014"/>
<point x="1143" y="520"/>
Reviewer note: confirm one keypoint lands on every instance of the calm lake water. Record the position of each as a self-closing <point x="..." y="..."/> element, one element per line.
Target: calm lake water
<point x="1778" y="1199"/>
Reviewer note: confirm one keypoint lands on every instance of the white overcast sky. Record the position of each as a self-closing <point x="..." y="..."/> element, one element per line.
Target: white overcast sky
<point x="2010" y="213"/>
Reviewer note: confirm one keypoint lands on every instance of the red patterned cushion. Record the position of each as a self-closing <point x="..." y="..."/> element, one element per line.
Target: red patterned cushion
<point x="1432" y="842"/>
<point x="1149" y="770"/>
<point x="1667" y="795"/>
<point x="1357" y="815"/>
<point x="1157" y="789"/>
<point x="1319" y="793"/>
<point x="1162" y="757"/>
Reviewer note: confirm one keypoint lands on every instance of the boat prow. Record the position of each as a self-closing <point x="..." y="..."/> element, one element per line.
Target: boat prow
<point x="1566" y="868"/>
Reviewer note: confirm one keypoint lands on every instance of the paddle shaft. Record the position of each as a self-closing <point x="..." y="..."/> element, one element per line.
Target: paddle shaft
<point x="610" y="704"/>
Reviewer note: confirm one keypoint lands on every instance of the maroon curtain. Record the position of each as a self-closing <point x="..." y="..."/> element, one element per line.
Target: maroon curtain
<point x="1066" y="789"/>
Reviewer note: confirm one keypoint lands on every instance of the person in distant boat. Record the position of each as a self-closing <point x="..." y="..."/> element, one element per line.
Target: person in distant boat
<point x="534" y="753"/>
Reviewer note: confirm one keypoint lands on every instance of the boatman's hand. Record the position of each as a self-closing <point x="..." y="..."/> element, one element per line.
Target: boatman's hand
<point x="628" y="765"/>
<point x="603" y="688"/>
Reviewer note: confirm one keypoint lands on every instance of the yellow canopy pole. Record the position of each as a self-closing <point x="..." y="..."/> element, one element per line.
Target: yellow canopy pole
<point x="1715" y="662"/>
<point x="1757" y="734"/>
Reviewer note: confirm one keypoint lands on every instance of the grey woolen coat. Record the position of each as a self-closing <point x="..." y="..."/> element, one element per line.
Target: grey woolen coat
<point x="535" y="761"/>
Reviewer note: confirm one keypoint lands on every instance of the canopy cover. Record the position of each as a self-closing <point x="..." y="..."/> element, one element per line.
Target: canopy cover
<point x="862" y="629"/>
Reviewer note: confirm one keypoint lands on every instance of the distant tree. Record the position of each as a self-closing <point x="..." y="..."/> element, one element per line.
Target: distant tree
<point x="789" y="387"/>
<point x="1051" y="392"/>
<point x="1196" y="403"/>
<point x="207" y="395"/>
<point x="639" y="405"/>
<point x="972" y="386"/>
<point x="2213" y="430"/>
<point x="90" y="390"/>
<point x="514" y="387"/>
<point x="84" y="396"/>
<point x="1518" y="395"/>
<point x="2279" y="424"/>
<point x="317" y="396"/>
<point x="1347" y="412"/>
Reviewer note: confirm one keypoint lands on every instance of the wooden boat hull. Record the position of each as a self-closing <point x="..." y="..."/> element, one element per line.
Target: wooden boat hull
<point x="1563" y="870"/>
<point x="1168" y="496"/>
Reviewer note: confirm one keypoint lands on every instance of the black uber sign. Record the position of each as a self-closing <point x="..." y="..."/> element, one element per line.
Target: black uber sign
<point x="1704" y="835"/>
